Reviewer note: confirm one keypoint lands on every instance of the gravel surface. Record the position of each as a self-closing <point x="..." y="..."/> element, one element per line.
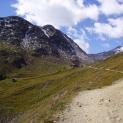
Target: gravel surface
<point x="95" y="106"/>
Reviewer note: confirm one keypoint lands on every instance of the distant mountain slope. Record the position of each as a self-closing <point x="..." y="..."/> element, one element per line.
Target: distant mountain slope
<point x="39" y="41"/>
<point x="105" y="55"/>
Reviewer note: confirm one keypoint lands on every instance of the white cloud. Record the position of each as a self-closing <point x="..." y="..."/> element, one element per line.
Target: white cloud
<point x="112" y="29"/>
<point x="68" y="13"/>
<point x="80" y="38"/>
<point x="56" y="12"/>
<point x="92" y="12"/>
<point x="111" y="7"/>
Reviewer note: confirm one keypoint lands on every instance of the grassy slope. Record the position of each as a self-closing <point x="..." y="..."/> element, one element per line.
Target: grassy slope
<point x="45" y="87"/>
<point x="8" y="54"/>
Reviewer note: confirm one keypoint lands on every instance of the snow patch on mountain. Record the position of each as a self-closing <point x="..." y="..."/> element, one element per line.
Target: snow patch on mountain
<point x="119" y="50"/>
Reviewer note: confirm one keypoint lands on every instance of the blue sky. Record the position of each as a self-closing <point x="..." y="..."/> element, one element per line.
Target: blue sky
<point x="6" y="9"/>
<point x="95" y="25"/>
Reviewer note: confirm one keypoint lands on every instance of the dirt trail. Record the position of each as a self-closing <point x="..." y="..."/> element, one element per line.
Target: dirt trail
<point x="106" y="69"/>
<point x="95" y="106"/>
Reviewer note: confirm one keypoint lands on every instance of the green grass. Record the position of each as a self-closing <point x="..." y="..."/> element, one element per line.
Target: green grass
<point x="115" y="62"/>
<point x="8" y="54"/>
<point x="4" y="45"/>
<point x="46" y="86"/>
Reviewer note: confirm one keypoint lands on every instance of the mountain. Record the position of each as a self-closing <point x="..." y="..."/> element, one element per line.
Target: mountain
<point x="39" y="41"/>
<point x="105" y="55"/>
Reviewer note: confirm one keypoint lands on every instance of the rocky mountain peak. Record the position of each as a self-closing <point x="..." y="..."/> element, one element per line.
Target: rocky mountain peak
<point x="13" y="29"/>
<point x="39" y="41"/>
<point x="49" y="30"/>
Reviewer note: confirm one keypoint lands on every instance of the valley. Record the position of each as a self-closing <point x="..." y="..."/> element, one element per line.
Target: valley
<point x="42" y="70"/>
<point x="38" y="96"/>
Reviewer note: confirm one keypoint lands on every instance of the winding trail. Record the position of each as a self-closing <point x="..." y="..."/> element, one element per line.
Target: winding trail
<point x="95" y="106"/>
<point x="106" y="69"/>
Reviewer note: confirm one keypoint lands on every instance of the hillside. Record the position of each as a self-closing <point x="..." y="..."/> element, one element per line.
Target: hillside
<point x="11" y="58"/>
<point x="43" y="88"/>
<point x="22" y="43"/>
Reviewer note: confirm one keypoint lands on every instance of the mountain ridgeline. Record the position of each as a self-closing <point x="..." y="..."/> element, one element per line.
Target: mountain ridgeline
<point x="39" y="41"/>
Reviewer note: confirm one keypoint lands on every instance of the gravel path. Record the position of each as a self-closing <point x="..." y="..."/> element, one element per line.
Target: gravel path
<point x="96" y="106"/>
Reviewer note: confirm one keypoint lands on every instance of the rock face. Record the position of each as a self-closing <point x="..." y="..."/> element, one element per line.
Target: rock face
<point x="39" y="41"/>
